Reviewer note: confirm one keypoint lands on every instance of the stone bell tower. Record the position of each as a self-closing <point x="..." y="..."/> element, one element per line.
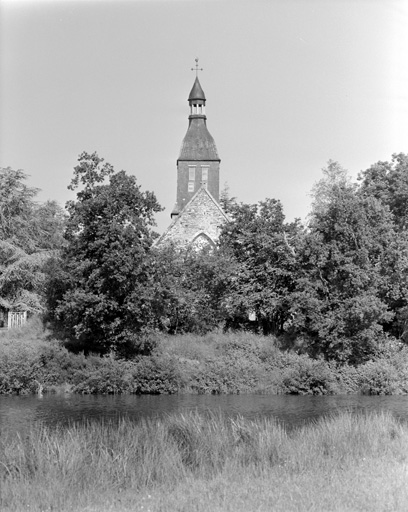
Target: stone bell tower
<point x="198" y="164"/>
<point x="197" y="216"/>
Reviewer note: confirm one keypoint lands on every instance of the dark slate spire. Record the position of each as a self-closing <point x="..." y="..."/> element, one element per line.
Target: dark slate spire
<point x="197" y="92"/>
<point x="198" y="143"/>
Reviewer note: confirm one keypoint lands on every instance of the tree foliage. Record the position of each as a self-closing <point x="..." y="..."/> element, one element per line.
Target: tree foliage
<point x="30" y="233"/>
<point x="337" y="288"/>
<point x="340" y="286"/>
<point x="335" y="178"/>
<point x="388" y="182"/>
<point x="338" y="302"/>
<point x="106" y="285"/>
<point x="189" y="288"/>
<point x="262" y="248"/>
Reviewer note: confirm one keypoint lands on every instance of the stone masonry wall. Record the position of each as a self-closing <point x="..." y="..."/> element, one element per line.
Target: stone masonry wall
<point x="201" y="215"/>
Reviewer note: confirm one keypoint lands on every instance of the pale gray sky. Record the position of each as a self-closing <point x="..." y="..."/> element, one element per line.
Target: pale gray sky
<point x="289" y="85"/>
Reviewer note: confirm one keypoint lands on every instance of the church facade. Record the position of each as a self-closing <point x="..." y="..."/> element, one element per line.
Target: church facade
<point x="197" y="216"/>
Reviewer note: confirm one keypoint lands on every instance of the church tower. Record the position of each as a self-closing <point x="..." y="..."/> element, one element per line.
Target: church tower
<point x="198" y="164"/>
<point x="197" y="216"/>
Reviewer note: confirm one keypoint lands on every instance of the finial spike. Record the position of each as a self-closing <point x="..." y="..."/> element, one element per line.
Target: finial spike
<point x="196" y="69"/>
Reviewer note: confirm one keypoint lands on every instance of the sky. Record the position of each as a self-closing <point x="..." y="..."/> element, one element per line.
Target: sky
<point x="289" y="84"/>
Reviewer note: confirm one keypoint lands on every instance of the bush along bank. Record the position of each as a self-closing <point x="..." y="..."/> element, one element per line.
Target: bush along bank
<point x="212" y="364"/>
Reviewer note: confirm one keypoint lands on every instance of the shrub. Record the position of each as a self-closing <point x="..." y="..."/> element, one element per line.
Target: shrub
<point x="19" y="365"/>
<point x="379" y="378"/>
<point x="156" y="375"/>
<point x="347" y="377"/>
<point x="216" y="363"/>
<point x="102" y="375"/>
<point x="309" y="377"/>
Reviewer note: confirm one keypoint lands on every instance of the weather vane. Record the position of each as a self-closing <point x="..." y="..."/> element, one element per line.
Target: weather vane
<point x="196" y="69"/>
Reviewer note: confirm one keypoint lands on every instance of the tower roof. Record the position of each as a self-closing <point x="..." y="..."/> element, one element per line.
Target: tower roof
<point x="197" y="92"/>
<point x="198" y="143"/>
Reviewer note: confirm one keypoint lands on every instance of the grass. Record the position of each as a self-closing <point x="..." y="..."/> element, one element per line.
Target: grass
<point x="196" y="462"/>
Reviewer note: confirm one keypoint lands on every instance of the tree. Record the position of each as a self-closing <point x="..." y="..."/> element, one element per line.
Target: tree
<point x="226" y="201"/>
<point x="262" y="250"/>
<point x="338" y="303"/>
<point x="388" y="182"/>
<point x="16" y="209"/>
<point x="106" y="287"/>
<point x="30" y="233"/>
<point x="335" y="178"/>
<point x="188" y="289"/>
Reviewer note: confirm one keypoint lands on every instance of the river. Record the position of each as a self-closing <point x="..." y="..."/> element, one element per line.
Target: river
<point x="18" y="413"/>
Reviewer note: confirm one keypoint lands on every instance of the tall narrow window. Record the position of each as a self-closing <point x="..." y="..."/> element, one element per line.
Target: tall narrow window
<point x="191" y="186"/>
<point x="204" y="174"/>
<point x="191" y="173"/>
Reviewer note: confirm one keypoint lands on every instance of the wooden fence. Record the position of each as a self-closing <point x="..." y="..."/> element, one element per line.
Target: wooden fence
<point x="16" y="319"/>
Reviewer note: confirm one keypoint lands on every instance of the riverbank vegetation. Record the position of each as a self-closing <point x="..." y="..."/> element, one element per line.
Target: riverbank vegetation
<point x="276" y="307"/>
<point x="238" y="362"/>
<point x="208" y="462"/>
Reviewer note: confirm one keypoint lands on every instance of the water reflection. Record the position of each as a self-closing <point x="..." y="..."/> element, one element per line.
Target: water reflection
<point x="21" y="412"/>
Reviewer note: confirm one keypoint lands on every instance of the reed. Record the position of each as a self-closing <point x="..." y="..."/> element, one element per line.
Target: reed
<point x="158" y="463"/>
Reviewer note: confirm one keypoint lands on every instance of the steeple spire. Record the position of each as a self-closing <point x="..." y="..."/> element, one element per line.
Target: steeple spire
<point x="197" y="216"/>
<point x="198" y="163"/>
<point x="196" y="98"/>
<point x="198" y="144"/>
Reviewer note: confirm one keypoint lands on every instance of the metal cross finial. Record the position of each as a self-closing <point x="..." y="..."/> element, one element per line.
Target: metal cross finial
<point x="196" y="69"/>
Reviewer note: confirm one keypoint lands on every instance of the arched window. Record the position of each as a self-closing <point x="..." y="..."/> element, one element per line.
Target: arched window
<point x="202" y="241"/>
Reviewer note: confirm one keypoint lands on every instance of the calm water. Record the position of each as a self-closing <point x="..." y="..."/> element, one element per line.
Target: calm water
<point x="20" y="412"/>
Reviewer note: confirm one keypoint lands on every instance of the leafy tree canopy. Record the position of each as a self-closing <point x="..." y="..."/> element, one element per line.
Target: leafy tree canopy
<point x="388" y="182"/>
<point x="339" y="300"/>
<point x="189" y="288"/>
<point x="106" y="289"/>
<point x="29" y="234"/>
<point x="335" y="178"/>
<point x="263" y="249"/>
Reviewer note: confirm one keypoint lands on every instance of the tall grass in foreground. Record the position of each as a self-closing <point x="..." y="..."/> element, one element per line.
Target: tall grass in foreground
<point x="116" y="466"/>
